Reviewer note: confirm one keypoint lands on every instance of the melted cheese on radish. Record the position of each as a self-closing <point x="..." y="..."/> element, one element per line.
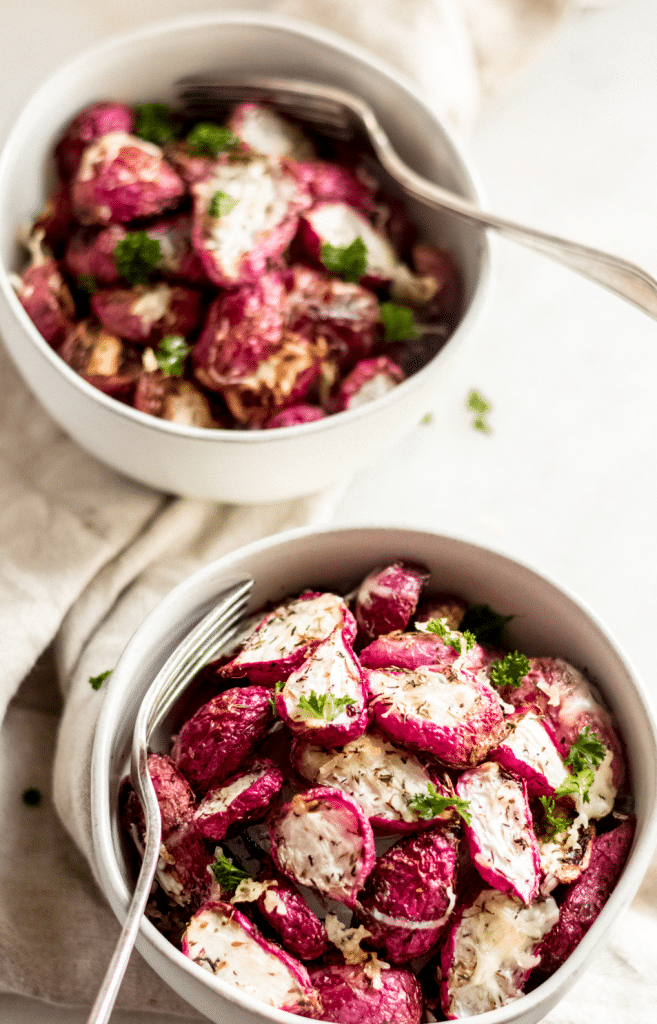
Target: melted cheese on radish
<point x="494" y="949"/>
<point x="372" y="769"/>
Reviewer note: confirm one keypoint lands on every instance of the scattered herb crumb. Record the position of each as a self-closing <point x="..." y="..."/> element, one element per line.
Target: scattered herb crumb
<point x="480" y="407"/>
<point x="95" y="682"/>
<point x="171" y="353"/>
<point x="398" y="322"/>
<point x="426" y="419"/>
<point x="136" y="255"/>
<point x="272" y="700"/>
<point x="154" y="123"/>
<point x="221" y="204"/>
<point x="211" y="139"/>
<point x="31" y="797"/>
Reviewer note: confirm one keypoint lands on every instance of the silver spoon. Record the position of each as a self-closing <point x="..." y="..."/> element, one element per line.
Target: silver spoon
<point x="341" y="114"/>
<point x="199" y="647"/>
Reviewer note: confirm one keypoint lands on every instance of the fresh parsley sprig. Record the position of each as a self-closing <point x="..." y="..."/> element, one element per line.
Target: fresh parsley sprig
<point x="587" y="751"/>
<point x="346" y="261"/>
<point x="431" y="804"/>
<point x="398" y="322"/>
<point x="221" y="204"/>
<point x="323" y="705"/>
<point x="459" y="641"/>
<point x="136" y="256"/>
<point x="554" y="824"/>
<point x="585" y="754"/>
<point x="154" y="122"/>
<point x="226" y="873"/>
<point x="171" y="353"/>
<point x="509" y="670"/>
<point x="211" y="139"/>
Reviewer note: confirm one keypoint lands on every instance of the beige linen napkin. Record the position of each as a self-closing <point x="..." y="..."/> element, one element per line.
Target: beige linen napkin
<point x="86" y="554"/>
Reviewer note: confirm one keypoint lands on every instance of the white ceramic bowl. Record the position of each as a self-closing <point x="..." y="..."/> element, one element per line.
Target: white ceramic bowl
<point x="547" y="621"/>
<point x="240" y="466"/>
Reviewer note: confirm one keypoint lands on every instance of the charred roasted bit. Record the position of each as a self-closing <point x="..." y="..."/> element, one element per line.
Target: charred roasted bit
<point x="587" y="896"/>
<point x="107" y="362"/>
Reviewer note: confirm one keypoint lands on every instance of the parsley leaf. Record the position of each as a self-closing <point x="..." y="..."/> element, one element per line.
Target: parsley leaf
<point x="459" y="641"/>
<point x="221" y="204"/>
<point x="95" y="682"/>
<point x="510" y="670"/>
<point x="480" y="407"/>
<point x="227" y="874"/>
<point x="31" y="797"/>
<point x="171" y="353"/>
<point x="553" y="823"/>
<point x="579" y="782"/>
<point x="212" y="139"/>
<point x="136" y="255"/>
<point x="323" y="705"/>
<point x="153" y="122"/>
<point x="587" y="751"/>
<point x="487" y="625"/>
<point x="398" y="322"/>
<point x="431" y="804"/>
<point x="585" y="754"/>
<point x="346" y="261"/>
<point x="86" y="283"/>
<point x="272" y="700"/>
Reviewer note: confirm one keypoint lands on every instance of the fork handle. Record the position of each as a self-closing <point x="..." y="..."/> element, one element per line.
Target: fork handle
<point x="612" y="272"/>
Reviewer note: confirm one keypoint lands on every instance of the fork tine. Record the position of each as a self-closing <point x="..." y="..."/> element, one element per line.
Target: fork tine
<point x="211" y="96"/>
<point x="201" y="645"/>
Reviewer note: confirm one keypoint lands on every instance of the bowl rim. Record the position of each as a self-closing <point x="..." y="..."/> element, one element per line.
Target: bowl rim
<point x="302" y="29"/>
<point x="541" y="999"/>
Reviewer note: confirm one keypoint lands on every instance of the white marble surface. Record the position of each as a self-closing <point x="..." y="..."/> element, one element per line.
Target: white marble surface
<point x="567" y="478"/>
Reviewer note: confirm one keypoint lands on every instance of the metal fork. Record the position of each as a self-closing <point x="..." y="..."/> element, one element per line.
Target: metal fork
<point x="340" y="114"/>
<point x="200" y="646"/>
